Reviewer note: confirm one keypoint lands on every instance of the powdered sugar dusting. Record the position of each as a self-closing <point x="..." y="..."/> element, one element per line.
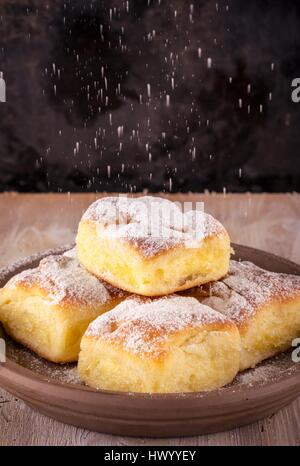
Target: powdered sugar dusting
<point x="63" y="373"/>
<point x="267" y="371"/>
<point x="232" y="304"/>
<point x="258" y="285"/>
<point x="246" y="288"/>
<point x="151" y="223"/>
<point x="142" y="325"/>
<point x="64" y="279"/>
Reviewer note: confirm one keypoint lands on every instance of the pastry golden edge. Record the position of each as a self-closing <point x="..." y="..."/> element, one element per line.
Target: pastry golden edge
<point x="194" y="359"/>
<point x="52" y="331"/>
<point x="123" y="265"/>
<point x="269" y="331"/>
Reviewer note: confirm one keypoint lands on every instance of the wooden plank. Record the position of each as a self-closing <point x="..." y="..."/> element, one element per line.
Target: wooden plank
<point x="34" y="222"/>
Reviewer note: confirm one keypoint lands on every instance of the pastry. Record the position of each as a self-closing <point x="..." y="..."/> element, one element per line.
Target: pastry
<point x="48" y="308"/>
<point x="264" y="305"/>
<point x="148" y="246"/>
<point x="161" y="345"/>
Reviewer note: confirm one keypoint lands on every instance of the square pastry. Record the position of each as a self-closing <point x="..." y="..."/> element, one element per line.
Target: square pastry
<point x="48" y="308"/>
<point x="162" y="345"/>
<point x="265" y="306"/>
<point x="149" y="247"/>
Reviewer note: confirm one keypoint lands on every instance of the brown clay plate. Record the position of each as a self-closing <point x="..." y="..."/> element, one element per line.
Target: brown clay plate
<point x="56" y="391"/>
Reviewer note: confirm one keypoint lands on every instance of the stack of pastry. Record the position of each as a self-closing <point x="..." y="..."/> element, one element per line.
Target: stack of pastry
<point x="149" y="301"/>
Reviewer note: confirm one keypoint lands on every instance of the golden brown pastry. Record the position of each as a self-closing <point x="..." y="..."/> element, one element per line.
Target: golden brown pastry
<point x="162" y="345"/>
<point x="147" y="246"/>
<point x="265" y="306"/>
<point x="49" y="308"/>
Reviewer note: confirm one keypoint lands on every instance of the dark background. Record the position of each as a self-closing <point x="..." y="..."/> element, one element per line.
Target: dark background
<point x="78" y="115"/>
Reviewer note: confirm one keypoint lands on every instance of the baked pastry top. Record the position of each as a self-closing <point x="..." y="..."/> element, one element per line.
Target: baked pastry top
<point x="63" y="281"/>
<point x="141" y="325"/>
<point x="264" y="305"/>
<point x="49" y="307"/>
<point x="148" y="246"/>
<point x="168" y="344"/>
<point x="151" y="224"/>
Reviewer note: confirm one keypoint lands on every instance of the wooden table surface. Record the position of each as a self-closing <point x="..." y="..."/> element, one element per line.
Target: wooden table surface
<point x="34" y="222"/>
